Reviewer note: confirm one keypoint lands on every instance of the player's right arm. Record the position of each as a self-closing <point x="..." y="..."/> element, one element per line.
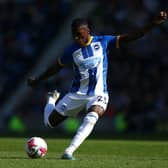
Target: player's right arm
<point x="52" y="70"/>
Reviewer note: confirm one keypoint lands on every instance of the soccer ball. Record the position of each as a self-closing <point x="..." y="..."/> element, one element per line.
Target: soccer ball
<point x="36" y="147"/>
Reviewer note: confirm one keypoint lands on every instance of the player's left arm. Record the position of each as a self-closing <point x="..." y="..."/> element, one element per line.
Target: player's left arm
<point x="126" y="38"/>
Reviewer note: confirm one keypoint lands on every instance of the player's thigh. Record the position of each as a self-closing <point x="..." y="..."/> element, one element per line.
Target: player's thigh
<point x="70" y="105"/>
<point x="98" y="104"/>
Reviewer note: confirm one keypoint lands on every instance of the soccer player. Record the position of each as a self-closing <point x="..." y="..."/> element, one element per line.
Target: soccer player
<point x="89" y="88"/>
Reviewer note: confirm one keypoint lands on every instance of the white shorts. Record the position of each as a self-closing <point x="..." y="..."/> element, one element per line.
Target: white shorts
<point x="71" y="104"/>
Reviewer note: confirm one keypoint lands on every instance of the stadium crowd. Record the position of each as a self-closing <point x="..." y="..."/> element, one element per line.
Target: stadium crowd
<point x="137" y="72"/>
<point x="26" y="28"/>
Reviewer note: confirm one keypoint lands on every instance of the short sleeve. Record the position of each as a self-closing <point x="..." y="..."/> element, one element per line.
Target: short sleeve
<point x="112" y="41"/>
<point x="66" y="57"/>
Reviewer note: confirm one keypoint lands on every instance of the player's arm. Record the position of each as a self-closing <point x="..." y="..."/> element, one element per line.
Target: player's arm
<point x="52" y="70"/>
<point x="126" y="38"/>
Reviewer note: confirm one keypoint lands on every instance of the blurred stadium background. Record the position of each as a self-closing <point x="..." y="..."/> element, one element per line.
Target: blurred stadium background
<point x="34" y="32"/>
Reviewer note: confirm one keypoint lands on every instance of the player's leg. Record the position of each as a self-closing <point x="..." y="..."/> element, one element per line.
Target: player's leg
<point x="84" y="130"/>
<point x="51" y="117"/>
<point x="96" y="110"/>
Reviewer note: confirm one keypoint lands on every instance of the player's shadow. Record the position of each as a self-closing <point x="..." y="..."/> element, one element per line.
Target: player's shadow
<point x="13" y="157"/>
<point x="52" y="158"/>
<point x="27" y="158"/>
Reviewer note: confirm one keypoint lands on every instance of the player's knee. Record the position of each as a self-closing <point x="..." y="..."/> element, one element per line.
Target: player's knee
<point x="97" y="109"/>
<point x="55" y="119"/>
<point x="91" y="118"/>
<point x="49" y="122"/>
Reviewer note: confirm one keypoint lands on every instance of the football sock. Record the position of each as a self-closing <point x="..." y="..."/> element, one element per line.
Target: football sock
<point x="83" y="132"/>
<point x="50" y="106"/>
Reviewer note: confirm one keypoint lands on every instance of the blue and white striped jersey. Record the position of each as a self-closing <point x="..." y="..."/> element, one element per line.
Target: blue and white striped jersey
<point x="90" y="65"/>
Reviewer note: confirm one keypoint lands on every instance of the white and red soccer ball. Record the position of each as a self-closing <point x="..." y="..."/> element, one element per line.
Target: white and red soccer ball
<point x="36" y="147"/>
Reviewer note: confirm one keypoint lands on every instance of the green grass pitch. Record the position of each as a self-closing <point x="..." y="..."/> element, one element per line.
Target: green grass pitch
<point x="92" y="154"/>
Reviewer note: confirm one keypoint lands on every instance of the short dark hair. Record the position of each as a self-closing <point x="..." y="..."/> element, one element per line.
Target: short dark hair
<point x="78" y="22"/>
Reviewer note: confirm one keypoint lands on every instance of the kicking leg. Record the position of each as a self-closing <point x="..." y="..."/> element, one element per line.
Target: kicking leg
<point x="84" y="130"/>
<point x="55" y="118"/>
<point x="51" y="117"/>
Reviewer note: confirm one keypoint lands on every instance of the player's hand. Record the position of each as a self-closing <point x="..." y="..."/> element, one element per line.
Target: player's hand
<point x="160" y="18"/>
<point x="32" y="81"/>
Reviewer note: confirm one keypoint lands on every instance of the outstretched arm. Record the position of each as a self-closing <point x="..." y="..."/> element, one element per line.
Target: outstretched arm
<point x="126" y="38"/>
<point x="52" y="70"/>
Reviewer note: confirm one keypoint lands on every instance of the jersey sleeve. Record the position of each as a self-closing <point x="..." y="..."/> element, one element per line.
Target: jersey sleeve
<point x="66" y="57"/>
<point x="112" y="41"/>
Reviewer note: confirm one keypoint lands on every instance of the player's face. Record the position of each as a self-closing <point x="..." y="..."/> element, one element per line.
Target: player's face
<point x="81" y="35"/>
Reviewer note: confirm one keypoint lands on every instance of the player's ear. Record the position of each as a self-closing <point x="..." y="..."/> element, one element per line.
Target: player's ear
<point x="88" y="31"/>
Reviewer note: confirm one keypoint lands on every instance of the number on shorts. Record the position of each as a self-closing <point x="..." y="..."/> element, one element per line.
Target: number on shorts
<point x="102" y="99"/>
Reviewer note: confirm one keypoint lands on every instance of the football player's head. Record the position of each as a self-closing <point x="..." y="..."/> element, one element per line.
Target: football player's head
<point x="80" y="31"/>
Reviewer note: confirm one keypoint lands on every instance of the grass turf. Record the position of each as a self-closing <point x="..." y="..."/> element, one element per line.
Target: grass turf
<point x="92" y="154"/>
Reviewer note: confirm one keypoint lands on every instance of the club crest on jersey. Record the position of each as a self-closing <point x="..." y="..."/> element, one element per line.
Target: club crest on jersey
<point x="96" y="46"/>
